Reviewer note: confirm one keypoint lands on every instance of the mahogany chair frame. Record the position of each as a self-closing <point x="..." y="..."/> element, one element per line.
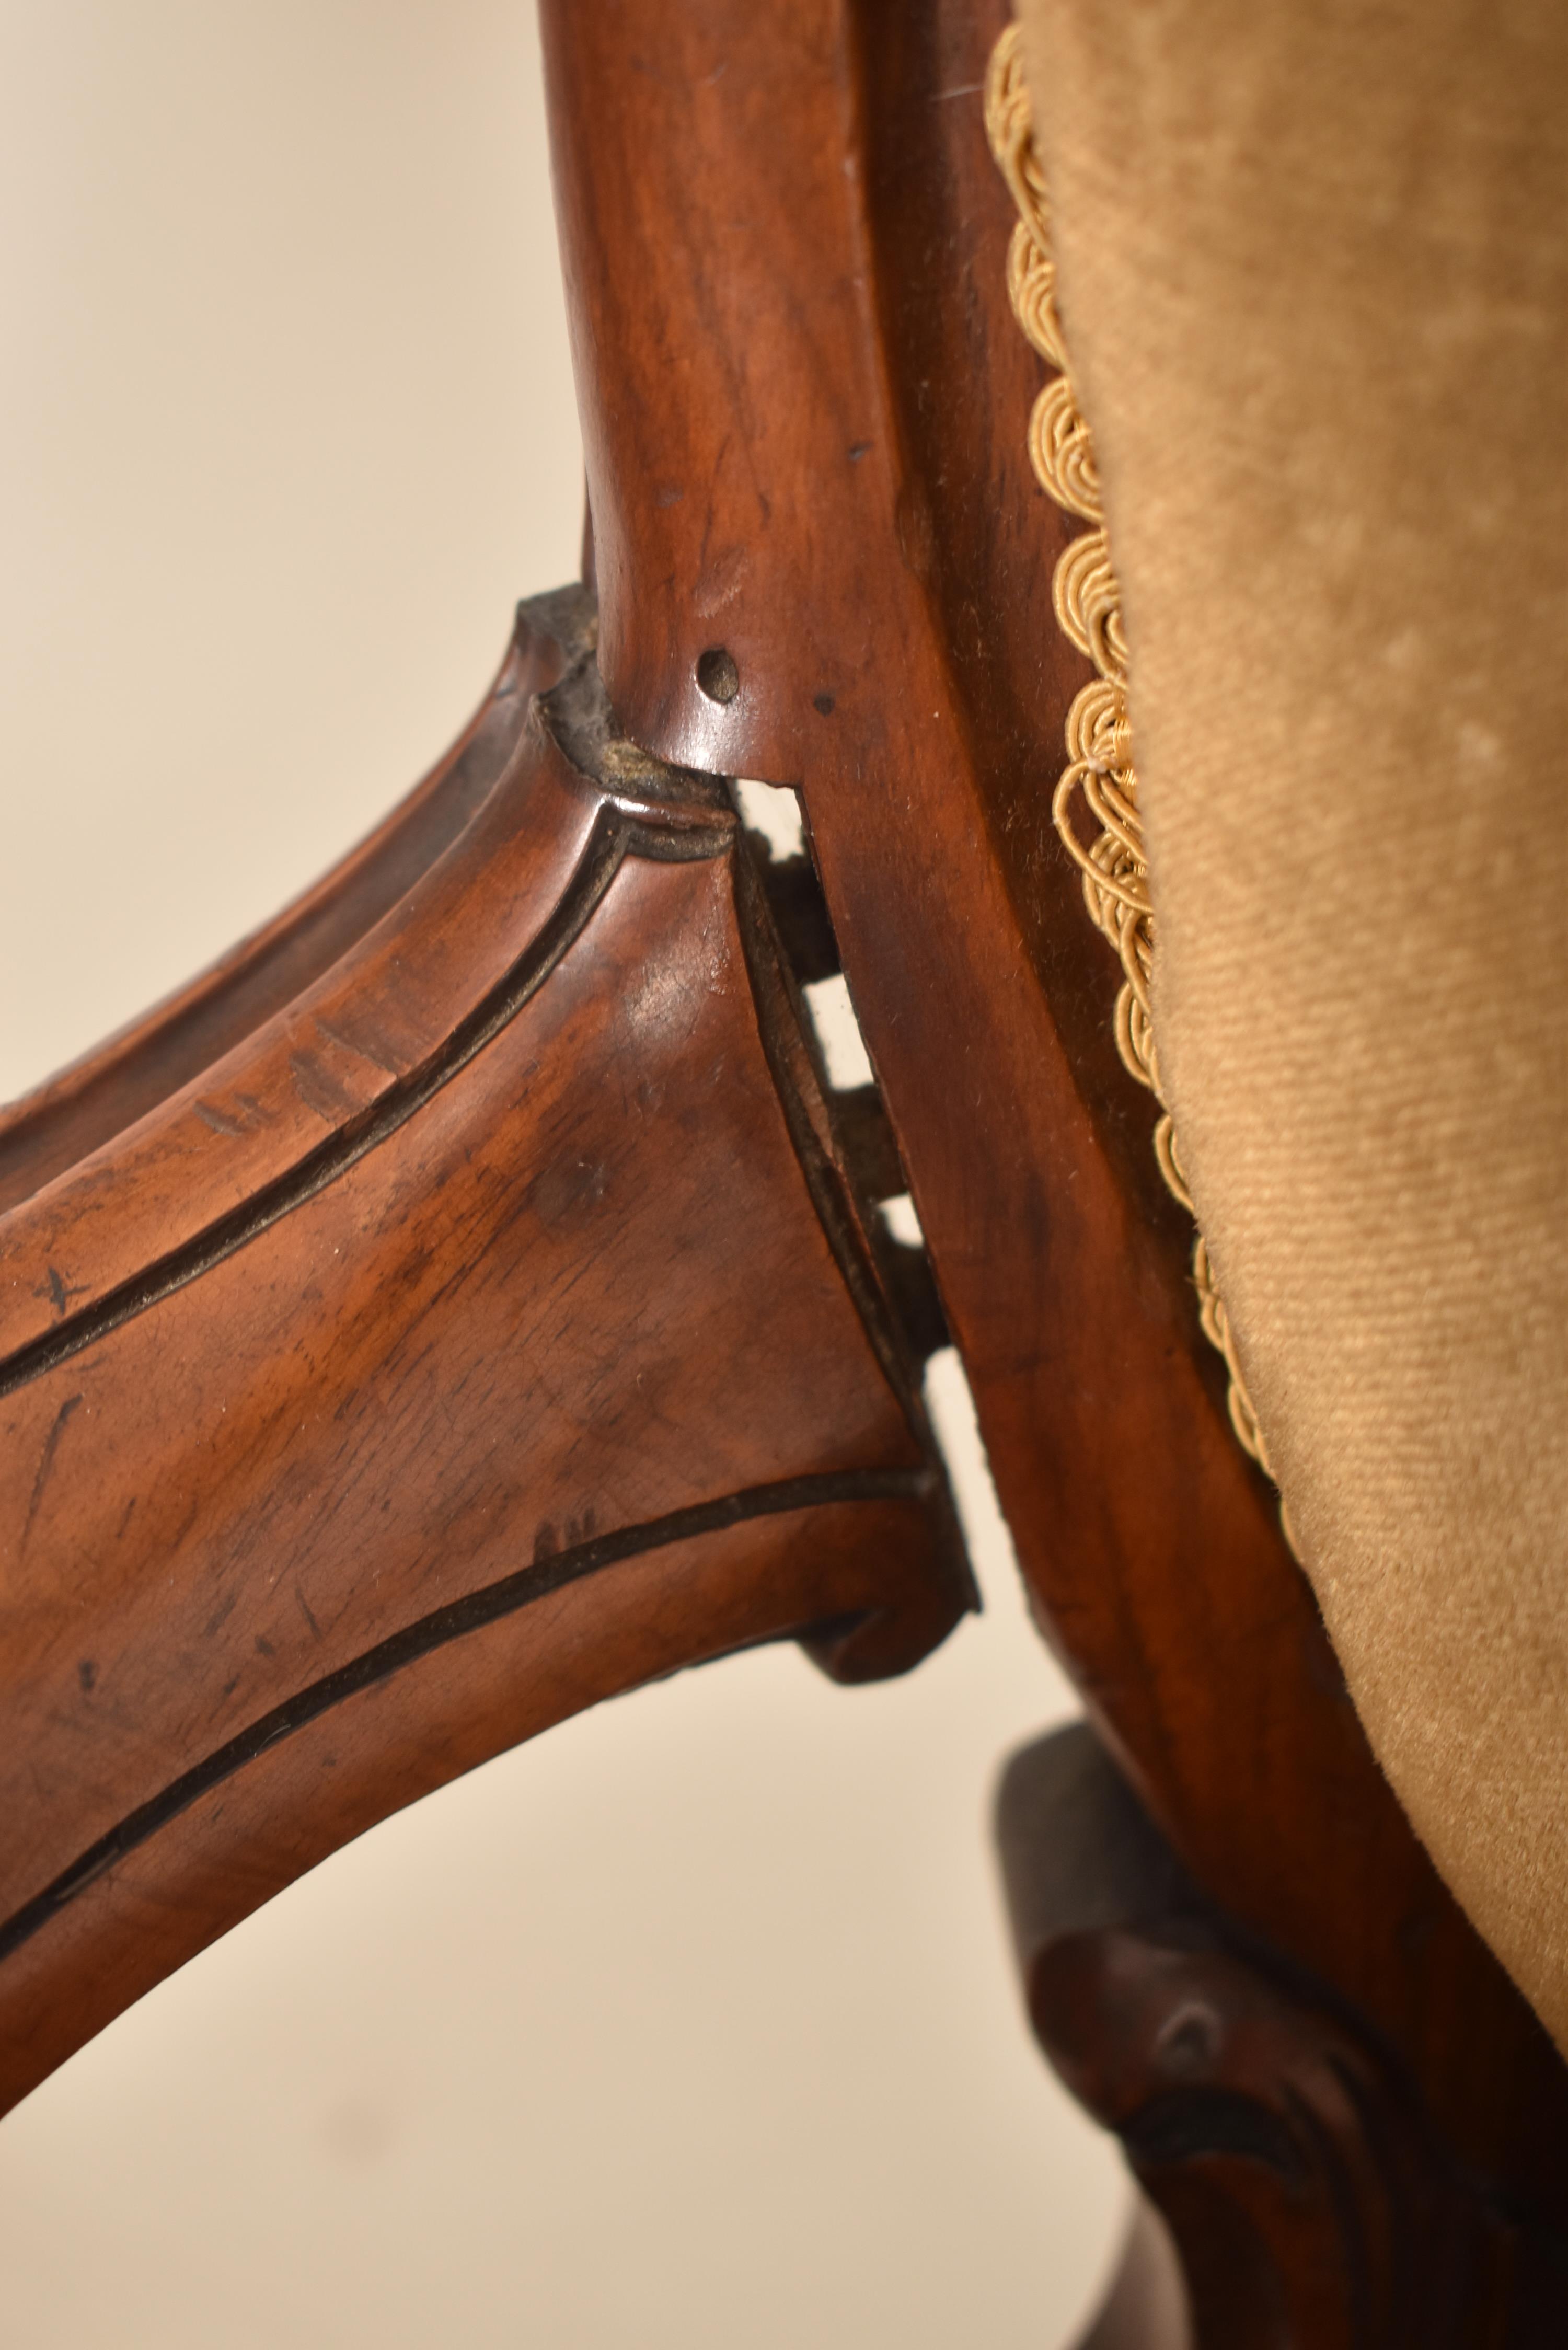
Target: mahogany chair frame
<point x="468" y="1300"/>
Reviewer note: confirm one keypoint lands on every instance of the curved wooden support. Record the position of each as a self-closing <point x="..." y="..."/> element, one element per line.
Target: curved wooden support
<point x="1313" y="2203"/>
<point x="822" y="559"/>
<point x="120" y="1080"/>
<point x="492" y="1327"/>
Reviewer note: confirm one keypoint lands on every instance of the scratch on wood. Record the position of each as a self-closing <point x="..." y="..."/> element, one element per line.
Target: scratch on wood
<point x="58" y="1292"/>
<point x="219" y="1120"/>
<point x="317" y="1088"/>
<point x="221" y="1613"/>
<point x="51" y="1446"/>
<point x="365" y="1048"/>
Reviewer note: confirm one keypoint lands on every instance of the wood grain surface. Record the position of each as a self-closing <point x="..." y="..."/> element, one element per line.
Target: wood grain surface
<point x="130" y="1072"/>
<point x="804" y="405"/>
<point x="493" y="1327"/>
<point x="466" y="1302"/>
<point x="1311" y="2201"/>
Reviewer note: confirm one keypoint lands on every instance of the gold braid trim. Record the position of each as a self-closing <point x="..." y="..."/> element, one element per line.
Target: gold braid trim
<point x="1099" y="782"/>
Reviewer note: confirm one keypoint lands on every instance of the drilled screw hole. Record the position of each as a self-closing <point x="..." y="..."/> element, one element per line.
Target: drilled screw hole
<point x="717" y="674"/>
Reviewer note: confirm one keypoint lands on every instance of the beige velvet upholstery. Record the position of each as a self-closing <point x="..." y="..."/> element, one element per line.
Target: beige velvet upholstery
<point x="1312" y="278"/>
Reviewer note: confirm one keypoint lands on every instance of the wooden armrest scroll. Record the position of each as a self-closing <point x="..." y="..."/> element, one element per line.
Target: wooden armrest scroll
<point x="492" y="1327"/>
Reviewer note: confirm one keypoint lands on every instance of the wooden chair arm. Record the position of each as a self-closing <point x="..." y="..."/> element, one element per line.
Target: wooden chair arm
<point x="493" y="1327"/>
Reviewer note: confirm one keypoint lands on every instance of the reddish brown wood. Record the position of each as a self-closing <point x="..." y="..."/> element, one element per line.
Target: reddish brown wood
<point x="98" y="1097"/>
<point x="822" y="560"/>
<point x="1311" y="2202"/>
<point x="490" y="1329"/>
<point x="458" y="1305"/>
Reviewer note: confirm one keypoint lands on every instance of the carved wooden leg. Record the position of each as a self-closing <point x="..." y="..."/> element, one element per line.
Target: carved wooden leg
<point x="1311" y="2202"/>
<point x="491" y="1326"/>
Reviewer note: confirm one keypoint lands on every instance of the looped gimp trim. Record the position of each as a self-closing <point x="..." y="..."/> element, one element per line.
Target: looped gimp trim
<point x="1095" y="804"/>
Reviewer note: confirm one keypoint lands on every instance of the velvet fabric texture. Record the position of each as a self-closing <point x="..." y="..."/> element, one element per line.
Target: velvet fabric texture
<point x="1312" y="276"/>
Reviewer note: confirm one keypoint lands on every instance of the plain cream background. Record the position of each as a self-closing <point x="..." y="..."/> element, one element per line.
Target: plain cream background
<point x="692" y="2024"/>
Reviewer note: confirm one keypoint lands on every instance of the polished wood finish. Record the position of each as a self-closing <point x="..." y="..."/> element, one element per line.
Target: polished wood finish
<point x="131" y="1073"/>
<point x="822" y="560"/>
<point x="465" y="1301"/>
<point x="1313" y="2204"/>
<point x="493" y="1327"/>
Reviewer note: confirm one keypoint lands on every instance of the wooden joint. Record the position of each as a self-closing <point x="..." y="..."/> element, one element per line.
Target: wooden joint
<point x="456" y="1308"/>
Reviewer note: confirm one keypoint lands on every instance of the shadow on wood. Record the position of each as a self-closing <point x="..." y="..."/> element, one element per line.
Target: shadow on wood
<point x="491" y="1328"/>
<point x="1311" y="2203"/>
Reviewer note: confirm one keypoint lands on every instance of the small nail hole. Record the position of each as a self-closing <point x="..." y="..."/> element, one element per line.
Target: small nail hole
<point x="717" y="674"/>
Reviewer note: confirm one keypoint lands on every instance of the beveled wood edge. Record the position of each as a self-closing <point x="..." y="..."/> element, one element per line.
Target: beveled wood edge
<point x="127" y="1074"/>
<point x="523" y="1589"/>
<point x="791" y="459"/>
<point x="777" y="1564"/>
<point x="695" y="821"/>
<point x="640" y="811"/>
